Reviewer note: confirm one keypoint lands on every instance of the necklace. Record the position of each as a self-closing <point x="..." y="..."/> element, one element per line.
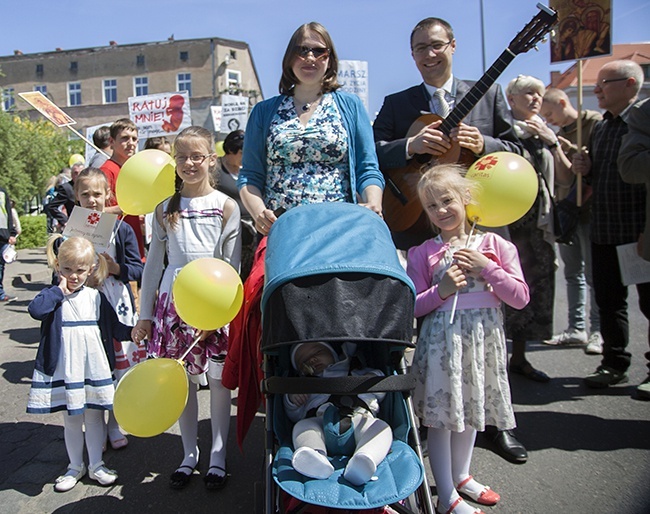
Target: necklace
<point x="306" y="107"/>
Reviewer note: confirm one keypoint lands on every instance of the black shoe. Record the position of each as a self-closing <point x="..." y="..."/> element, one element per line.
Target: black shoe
<point x="180" y="479"/>
<point x="507" y="445"/>
<point x="214" y="482"/>
<point x="529" y="372"/>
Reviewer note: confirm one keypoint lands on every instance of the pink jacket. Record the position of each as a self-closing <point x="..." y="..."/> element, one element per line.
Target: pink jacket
<point x="503" y="273"/>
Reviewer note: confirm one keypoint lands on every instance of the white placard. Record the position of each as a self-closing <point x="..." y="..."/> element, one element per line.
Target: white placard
<point x="162" y="114"/>
<point x="353" y="77"/>
<point x="234" y="113"/>
<point x="95" y="226"/>
<point x="216" y="111"/>
<point x="634" y="269"/>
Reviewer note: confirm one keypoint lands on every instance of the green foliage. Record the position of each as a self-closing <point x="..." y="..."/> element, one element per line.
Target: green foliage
<point x="30" y="153"/>
<point x="34" y="232"/>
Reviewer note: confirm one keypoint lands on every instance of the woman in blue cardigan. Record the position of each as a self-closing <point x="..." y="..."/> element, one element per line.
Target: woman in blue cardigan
<point x="312" y="143"/>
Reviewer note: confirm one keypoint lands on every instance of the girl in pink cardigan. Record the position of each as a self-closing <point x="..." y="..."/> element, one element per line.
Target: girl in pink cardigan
<point x="460" y="360"/>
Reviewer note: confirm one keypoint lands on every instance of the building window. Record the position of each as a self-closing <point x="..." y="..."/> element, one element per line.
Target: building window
<point x="233" y="55"/>
<point x="646" y="72"/>
<point x="74" y="67"/>
<point x="140" y="86"/>
<point x="74" y="93"/>
<point x="39" y="69"/>
<point x="42" y="88"/>
<point x="184" y="83"/>
<point x="110" y="91"/>
<point x="139" y="60"/>
<point x="234" y="79"/>
<point x="184" y="56"/>
<point x="8" y="99"/>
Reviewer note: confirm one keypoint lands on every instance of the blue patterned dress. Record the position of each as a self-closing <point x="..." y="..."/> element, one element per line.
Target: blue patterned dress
<point x="307" y="163"/>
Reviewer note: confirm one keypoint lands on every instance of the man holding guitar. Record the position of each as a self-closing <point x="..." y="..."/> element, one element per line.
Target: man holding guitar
<point x="470" y="120"/>
<point x="400" y="142"/>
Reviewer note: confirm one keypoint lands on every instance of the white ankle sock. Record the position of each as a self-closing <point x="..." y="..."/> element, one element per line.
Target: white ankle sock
<point x="311" y="463"/>
<point x="472" y="487"/>
<point x="360" y="469"/>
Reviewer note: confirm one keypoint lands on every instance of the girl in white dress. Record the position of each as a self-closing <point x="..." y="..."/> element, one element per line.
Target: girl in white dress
<point x="92" y="191"/>
<point x="75" y="359"/>
<point x="462" y="383"/>
<point x="197" y="221"/>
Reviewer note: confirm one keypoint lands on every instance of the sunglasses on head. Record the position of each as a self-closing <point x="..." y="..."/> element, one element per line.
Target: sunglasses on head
<point x="319" y="53"/>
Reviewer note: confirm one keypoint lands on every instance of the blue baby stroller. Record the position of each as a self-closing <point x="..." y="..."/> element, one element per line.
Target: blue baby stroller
<point x="332" y="275"/>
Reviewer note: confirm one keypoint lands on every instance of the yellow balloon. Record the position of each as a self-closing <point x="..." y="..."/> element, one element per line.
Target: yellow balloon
<point x="75" y="158"/>
<point x="218" y="147"/>
<point x="207" y="293"/>
<point x="507" y="189"/>
<point x="145" y="180"/>
<point x="151" y="397"/>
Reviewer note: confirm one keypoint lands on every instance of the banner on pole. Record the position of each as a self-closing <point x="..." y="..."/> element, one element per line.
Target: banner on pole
<point x="47" y="108"/>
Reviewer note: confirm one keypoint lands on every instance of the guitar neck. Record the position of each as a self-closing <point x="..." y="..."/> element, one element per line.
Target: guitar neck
<point x="469" y="101"/>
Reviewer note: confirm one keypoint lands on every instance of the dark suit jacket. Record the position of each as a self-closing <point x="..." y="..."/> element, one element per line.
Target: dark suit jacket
<point x="63" y="196"/>
<point x="491" y="116"/>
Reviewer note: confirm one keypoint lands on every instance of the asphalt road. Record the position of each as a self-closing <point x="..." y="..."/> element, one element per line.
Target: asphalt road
<point x="589" y="450"/>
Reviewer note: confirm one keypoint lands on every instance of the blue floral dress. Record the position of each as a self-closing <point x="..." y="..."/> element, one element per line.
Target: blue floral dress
<point x="461" y="367"/>
<point x="307" y="163"/>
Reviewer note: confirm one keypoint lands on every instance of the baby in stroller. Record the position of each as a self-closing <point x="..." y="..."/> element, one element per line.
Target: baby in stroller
<point x="334" y="425"/>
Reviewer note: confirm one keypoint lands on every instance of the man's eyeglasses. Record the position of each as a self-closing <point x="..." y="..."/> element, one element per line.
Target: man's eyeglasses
<point x="602" y="82"/>
<point x="319" y="53"/>
<point x="437" y="47"/>
<point x="194" y="159"/>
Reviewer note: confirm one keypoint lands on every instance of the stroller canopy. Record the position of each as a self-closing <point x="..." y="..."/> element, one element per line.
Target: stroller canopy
<point x="329" y="238"/>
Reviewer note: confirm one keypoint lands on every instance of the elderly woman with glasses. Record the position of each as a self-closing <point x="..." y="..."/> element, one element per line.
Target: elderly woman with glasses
<point x="533" y="233"/>
<point x="312" y="143"/>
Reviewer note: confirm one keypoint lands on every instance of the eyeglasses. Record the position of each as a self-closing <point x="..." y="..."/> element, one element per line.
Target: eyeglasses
<point x="194" y="159"/>
<point x="602" y="82"/>
<point x="437" y="47"/>
<point x="319" y="53"/>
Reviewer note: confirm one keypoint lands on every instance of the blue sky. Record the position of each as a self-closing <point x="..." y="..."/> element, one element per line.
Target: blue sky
<point x="376" y="31"/>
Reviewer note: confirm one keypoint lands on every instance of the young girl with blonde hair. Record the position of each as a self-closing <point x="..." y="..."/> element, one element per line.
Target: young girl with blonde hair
<point x="462" y="382"/>
<point x="75" y="359"/>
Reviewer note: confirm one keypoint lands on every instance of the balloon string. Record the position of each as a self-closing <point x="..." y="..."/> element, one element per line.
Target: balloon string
<point x="194" y="343"/>
<point x="467" y="243"/>
<point x="114" y="232"/>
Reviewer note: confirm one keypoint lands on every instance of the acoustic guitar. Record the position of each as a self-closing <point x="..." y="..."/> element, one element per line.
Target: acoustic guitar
<point x="401" y="206"/>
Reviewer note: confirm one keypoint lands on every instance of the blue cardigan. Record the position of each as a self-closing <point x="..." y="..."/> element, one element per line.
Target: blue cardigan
<point x="46" y="307"/>
<point x="364" y="168"/>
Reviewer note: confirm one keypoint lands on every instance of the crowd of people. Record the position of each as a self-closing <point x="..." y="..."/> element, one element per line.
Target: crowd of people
<point x="314" y="143"/>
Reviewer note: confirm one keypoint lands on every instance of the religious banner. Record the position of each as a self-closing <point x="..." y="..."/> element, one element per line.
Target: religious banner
<point x="234" y="113"/>
<point x="353" y="77"/>
<point x="95" y="226"/>
<point x="161" y="114"/>
<point x="47" y="108"/>
<point x="583" y="30"/>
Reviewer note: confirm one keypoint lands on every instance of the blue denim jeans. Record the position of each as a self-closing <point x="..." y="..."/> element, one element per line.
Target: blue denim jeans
<point x="578" y="276"/>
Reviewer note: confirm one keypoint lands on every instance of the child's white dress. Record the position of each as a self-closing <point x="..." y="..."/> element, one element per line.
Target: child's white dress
<point x="82" y="378"/>
<point x="200" y="232"/>
<point x="127" y="353"/>
<point x="461" y="368"/>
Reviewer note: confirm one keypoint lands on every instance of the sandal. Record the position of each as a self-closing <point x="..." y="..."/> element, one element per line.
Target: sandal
<point x="486" y="497"/>
<point x="120" y="443"/>
<point x="214" y="481"/>
<point x="453" y="506"/>
<point x="180" y="479"/>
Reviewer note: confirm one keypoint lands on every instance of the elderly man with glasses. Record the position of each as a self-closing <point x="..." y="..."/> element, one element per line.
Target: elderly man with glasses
<point x="617" y="218"/>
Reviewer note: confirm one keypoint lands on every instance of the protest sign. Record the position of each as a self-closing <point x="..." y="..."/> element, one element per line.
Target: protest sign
<point x="161" y="114"/>
<point x="47" y="108"/>
<point x="96" y="227"/>
<point x="234" y="113"/>
<point x="353" y="77"/>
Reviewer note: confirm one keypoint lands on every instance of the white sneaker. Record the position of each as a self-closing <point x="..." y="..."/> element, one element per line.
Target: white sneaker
<point x="102" y="474"/>
<point x="595" y="344"/>
<point x="69" y="480"/>
<point x="569" y="336"/>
